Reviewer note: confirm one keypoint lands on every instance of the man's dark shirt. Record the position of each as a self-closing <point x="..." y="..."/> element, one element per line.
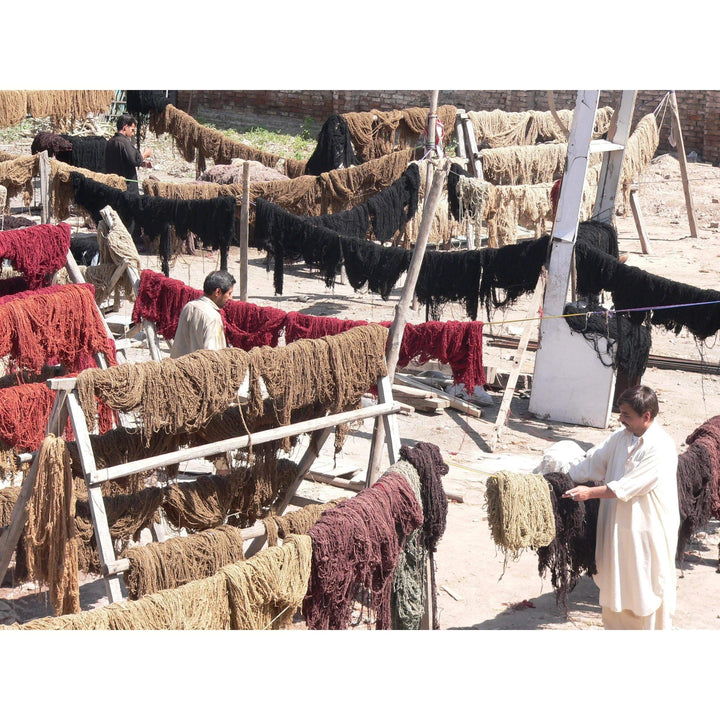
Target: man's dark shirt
<point x="122" y="158"/>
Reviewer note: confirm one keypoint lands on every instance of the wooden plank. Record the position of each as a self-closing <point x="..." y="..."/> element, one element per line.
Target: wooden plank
<point x="455" y="402"/>
<point x="152" y="338"/>
<point x="637" y="216"/>
<point x="535" y="304"/>
<point x="221" y="446"/>
<point x="18" y="517"/>
<point x="675" y="116"/>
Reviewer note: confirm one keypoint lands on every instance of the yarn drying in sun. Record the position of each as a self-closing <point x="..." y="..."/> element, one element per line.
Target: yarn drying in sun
<point x="37" y="252"/>
<point x="334" y="147"/>
<point x="571" y="553"/>
<point x="58" y="324"/>
<point x="698" y="476"/>
<point x="520" y="511"/>
<point x="50" y="532"/>
<point x="355" y="546"/>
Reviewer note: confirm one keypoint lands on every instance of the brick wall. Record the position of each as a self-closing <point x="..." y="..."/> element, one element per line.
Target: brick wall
<point x="294" y="110"/>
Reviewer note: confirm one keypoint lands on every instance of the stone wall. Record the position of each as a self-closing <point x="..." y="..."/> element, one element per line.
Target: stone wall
<point x="291" y="111"/>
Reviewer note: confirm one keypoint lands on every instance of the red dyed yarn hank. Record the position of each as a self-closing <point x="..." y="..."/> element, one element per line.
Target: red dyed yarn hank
<point x="58" y="325"/>
<point x="356" y="545"/>
<point x="458" y="344"/>
<point x="36" y="251"/>
<point x="160" y="300"/>
<point x="24" y="413"/>
<point x="299" y="326"/>
<point x="248" y="325"/>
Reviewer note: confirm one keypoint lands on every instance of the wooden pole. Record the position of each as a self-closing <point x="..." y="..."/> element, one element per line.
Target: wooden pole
<point x="244" y="231"/>
<point x="675" y="115"/>
<point x="44" y="167"/>
<point x="517" y="362"/>
<point x="397" y="328"/>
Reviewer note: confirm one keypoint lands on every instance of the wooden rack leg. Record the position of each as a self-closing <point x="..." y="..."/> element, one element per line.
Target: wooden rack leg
<point x="317" y="440"/>
<point x="152" y="339"/>
<point x="96" y="502"/>
<point x="18" y="518"/>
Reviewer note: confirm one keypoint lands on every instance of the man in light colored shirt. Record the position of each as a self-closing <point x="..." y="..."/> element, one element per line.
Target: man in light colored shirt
<point x="638" y="517"/>
<point x="200" y="325"/>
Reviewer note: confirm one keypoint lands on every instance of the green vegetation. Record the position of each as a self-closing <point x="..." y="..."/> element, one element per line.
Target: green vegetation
<point x="298" y="147"/>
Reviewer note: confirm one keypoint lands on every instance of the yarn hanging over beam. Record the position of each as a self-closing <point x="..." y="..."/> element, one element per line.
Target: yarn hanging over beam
<point x="191" y="139"/>
<point x="66" y="107"/>
<point x="520" y="511"/>
<point x="61" y="185"/>
<point x="175" y="395"/>
<point x="36" y="251"/>
<point x="212" y="221"/>
<point x="13" y="107"/>
<point x="331" y="373"/>
<point x="373" y="265"/>
<point x="51" y="142"/>
<point x="524" y="164"/>
<point x="571" y="553"/>
<point x="355" y="546"/>
<point x="16" y="176"/>
<point x="334" y="148"/>
<point x="87" y="151"/>
<point x="376" y="134"/>
<point x="267" y="590"/>
<point x="627" y="343"/>
<point x="51" y="541"/>
<point x="409" y="593"/>
<point x="297" y="522"/>
<point x="260" y="593"/>
<point x="632" y="287"/>
<point x="176" y="561"/>
<point x="198" y="605"/>
<point x="161" y="299"/>
<point x="497" y="128"/>
<point x="698" y="476"/>
<point x="59" y="325"/>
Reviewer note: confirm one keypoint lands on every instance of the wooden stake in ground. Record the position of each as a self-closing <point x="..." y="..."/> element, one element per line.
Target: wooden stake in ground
<point x="675" y="115"/>
<point x="244" y="231"/>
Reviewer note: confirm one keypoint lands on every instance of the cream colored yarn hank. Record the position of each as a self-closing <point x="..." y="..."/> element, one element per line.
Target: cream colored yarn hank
<point x="115" y="246"/>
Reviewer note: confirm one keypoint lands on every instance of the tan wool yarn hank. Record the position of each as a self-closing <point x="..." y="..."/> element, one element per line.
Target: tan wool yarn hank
<point x="520" y="511"/>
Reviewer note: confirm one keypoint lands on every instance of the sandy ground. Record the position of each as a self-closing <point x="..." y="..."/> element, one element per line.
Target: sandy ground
<point x="477" y="590"/>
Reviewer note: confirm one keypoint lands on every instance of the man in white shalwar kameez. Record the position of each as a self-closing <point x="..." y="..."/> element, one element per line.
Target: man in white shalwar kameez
<point x="638" y="517"/>
<point x="200" y="325"/>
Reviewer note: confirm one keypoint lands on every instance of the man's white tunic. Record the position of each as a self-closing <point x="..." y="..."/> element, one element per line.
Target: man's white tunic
<point x="637" y="531"/>
<point x="199" y="327"/>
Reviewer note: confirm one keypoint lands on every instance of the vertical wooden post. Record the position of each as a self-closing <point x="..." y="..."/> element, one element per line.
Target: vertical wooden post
<point x="44" y="167"/>
<point x="244" y="231"/>
<point x="675" y="116"/>
<point x="635" y="207"/>
<point x="397" y="328"/>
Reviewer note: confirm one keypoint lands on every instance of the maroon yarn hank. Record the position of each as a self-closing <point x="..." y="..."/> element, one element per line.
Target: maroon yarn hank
<point x="356" y="546"/>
